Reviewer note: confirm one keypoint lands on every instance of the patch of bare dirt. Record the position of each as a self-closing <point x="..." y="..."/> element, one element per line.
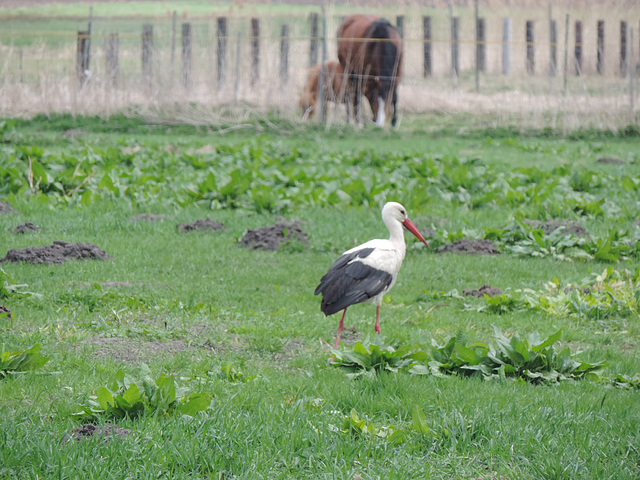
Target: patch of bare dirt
<point x="149" y="217"/>
<point x="480" y="292"/>
<point x="271" y="237"/>
<point x="200" y="225"/>
<point x="26" y="227"/>
<point x="106" y="432"/>
<point x="611" y="160"/>
<point x="6" y="209"/>
<point x="289" y="351"/>
<point x="56" y="253"/>
<point x="470" y="247"/>
<point x="134" y="351"/>
<point x="550" y="226"/>
<point x="74" y="132"/>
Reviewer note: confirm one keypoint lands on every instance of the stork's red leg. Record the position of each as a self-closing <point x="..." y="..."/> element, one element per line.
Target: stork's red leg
<point x="378" y="319"/>
<point x="340" y="328"/>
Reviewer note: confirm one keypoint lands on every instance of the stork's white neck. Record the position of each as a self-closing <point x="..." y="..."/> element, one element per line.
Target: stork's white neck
<point x="396" y="233"/>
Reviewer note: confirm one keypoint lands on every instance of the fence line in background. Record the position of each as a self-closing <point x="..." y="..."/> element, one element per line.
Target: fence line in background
<point x="479" y="43"/>
<point x="627" y="63"/>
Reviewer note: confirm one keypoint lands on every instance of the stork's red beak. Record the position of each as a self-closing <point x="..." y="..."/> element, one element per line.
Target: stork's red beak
<point x="412" y="228"/>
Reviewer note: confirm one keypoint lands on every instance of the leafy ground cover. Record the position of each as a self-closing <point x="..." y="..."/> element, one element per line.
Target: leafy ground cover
<point x="221" y="352"/>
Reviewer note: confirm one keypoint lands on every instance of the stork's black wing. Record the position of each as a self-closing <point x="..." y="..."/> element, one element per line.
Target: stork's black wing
<point x="350" y="281"/>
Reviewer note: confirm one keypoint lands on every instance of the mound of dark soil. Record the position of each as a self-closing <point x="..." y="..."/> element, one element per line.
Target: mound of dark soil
<point x="480" y="292"/>
<point x="271" y="237"/>
<point x="570" y="227"/>
<point x="107" y="432"/>
<point x="4" y="309"/>
<point x="613" y="160"/>
<point x="206" y="224"/>
<point x="470" y="247"/>
<point x="58" y="252"/>
<point x="5" y="208"/>
<point x="26" y="227"/>
<point x="149" y="217"/>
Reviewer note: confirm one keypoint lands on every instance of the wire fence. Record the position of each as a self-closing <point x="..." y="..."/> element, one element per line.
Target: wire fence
<point x="545" y="66"/>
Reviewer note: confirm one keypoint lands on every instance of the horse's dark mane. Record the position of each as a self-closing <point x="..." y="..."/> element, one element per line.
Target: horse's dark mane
<point x="387" y="52"/>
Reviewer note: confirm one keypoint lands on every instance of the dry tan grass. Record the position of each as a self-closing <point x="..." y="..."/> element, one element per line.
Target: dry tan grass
<point x="41" y="78"/>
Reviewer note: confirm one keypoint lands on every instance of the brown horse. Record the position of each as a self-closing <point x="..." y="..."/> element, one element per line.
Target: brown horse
<point x="370" y="51"/>
<point x="333" y="88"/>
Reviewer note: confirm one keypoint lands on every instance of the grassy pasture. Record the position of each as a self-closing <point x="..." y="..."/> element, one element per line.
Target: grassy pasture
<point x="190" y="305"/>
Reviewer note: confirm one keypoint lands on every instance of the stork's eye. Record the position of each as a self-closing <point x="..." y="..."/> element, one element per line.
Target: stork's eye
<point x="403" y="212"/>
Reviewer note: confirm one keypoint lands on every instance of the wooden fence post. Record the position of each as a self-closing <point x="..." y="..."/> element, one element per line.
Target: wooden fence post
<point x="237" y="82"/>
<point x="323" y="101"/>
<point x="313" y="34"/>
<point x="284" y="55"/>
<point x="529" y="39"/>
<point x="578" y="48"/>
<point x="147" y="49"/>
<point x="88" y="53"/>
<point x="113" y="45"/>
<point x="255" y="50"/>
<point x="174" y="23"/>
<point x="600" y="52"/>
<point x="623" y="48"/>
<point x="553" y="48"/>
<point x="632" y="95"/>
<point x="186" y="55"/>
<point x="566" y="55"/>
<point x="400" y="25"/>
<point x="82" y="57"/>
<point x="455" y="51"/>
<point x="426" y="32"/>
<point x="222" y="49"/>
<point x="481" y="45"/>
<point x="506" y="46"/>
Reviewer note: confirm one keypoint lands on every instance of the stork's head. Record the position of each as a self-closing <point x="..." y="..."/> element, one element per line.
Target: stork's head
<point x="394" y="212"/>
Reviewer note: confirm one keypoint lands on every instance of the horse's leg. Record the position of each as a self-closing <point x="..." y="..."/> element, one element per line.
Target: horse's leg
<point x="356" y="100"/>
<point x="394" y="119"/>
<point x="371" y="92"/>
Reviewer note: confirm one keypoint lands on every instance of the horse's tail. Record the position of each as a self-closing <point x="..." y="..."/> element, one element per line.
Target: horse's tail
<point x="388" y="53"/>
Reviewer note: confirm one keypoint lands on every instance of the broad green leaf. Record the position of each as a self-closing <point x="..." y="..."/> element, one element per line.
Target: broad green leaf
<point x="166" y="390"/>
<point x="419" y="420"/>
<point x="105" y="398"/>
<point x="550" y="340"/>
<point x="194" y="403"/>
<point x="397" y="437"/>
<point x="132" y="394"/>
<point x="467" y="355"/>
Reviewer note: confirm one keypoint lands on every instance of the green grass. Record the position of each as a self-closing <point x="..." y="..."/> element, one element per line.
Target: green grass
<point x="189" y="304"/>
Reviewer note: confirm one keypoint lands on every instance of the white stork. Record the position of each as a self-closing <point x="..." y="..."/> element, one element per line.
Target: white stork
<point x="366" y="272"/>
